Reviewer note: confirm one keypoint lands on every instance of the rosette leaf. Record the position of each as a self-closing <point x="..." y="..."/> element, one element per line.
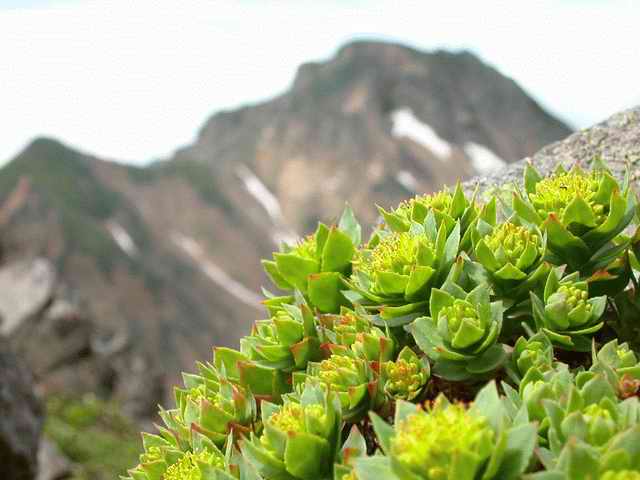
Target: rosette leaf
<point x="287" y="341"/>
<point x="212" y="405"/>
<point x="163" y="459"/>
<point x="354" y="447"/>
<point x="450" y="441"/>
<point x="317" y="265"/>
<point x="265" y="383"/>
<point x="406" y="377"/>
<point x="460" y="335"/>
<point x="446" y="207"/>
<point x="581" y="212"/>
<point x="567" y="315"/>
<point x="531" y="358"/>
<point x="512" y="254"/>
<point x="300" y="439"/>
<point x="396" y="275"/>
<point x="353" y="380"/>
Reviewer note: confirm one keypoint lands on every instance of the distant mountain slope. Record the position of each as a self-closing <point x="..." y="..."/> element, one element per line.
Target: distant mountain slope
<point x="167" y="257"/>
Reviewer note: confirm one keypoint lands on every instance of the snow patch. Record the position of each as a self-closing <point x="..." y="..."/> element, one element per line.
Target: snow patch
<point x="261" y="193"/>
<point x="407" y="180"/>
<point x="270" y="203"/>
<point x="405" y="124"/>
<point x="483" y="159"/>
<point x="122" y="238"/>
<point x="194" y="250"/>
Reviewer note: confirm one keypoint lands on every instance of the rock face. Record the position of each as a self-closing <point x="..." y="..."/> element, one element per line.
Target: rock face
<point x="60" y="343"/>
<point x="20" y="418"/>
<point x="165" y="259"/>
<point x="616" y="141"/>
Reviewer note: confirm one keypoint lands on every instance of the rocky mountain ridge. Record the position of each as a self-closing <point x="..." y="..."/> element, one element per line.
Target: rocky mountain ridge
<point x="165" y="259"/>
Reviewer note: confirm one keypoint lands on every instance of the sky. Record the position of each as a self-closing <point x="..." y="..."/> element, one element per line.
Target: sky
<point x="132" y="80"/>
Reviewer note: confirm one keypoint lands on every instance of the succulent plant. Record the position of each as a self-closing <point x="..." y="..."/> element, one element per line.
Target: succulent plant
<point x="451" y="441"/>
<point x="353" y="380"/>
<point x="287" y="341"/>
<point x="344" y="328"/>
<point x="163" y="459"/>
<point x="461" y="333"/>
<point x="406" y="377"/>
<point x="513" y="256"/>
<point x="550" y="385"/>
<point x="531" y="358"/>
<point x="447" y="208"/>
<point x="579" y="211"/>
<point x="300" y="439"/>
<point x="620" y="364"/>
<point x="317" y="265"/>
<point x="590" y="415"/>
<point x="396" y="275"/>
<point x="362" y="328"/>
<point x="211" y="405"/>
<point x="566" y="314"/>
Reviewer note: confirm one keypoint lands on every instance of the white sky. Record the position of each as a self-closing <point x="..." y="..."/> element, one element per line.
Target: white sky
<point x="134" y="79"/>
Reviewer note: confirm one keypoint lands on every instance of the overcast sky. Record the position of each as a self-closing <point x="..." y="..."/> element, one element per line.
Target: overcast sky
<point x="133" y="80"/>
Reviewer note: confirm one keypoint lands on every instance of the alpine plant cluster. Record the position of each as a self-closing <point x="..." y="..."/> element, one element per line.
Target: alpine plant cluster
<point x="467" y="339"/>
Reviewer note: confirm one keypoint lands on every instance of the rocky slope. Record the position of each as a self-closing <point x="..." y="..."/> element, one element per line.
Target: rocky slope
<point x="165" y="259"/>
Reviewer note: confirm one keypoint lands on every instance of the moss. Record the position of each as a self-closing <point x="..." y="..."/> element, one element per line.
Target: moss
<point x="94" y="435"/>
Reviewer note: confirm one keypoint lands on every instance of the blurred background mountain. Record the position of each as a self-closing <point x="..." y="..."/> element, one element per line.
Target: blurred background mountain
<point x="116" y="277"/>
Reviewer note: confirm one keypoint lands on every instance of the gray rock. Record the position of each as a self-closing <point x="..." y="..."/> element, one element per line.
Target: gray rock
<point x="20" y="419"/>
<point x="52" y="464"/>
<point x="25" y="288"/>
<point x="616" y="141"/>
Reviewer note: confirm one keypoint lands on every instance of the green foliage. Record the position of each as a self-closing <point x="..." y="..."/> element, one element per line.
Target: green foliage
<point x="92" y="434"/>
<point x="381" y="358"/>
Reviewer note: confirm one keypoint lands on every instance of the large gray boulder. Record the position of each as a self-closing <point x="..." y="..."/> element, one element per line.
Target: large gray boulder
<point x="26" y="286"/>
<point x="20" y="419"/>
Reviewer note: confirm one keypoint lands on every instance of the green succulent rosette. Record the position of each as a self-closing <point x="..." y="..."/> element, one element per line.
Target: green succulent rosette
<point x="448" y="208"/>
<point x="396" y="275"/>
<point x="344" y="328"/>
<point x="318" y="264"/>
<point x="287" y="341"/>
<point x="352" y="333"/>
<point x="530" y="358"/>
<point x="618" y="460"/>
<point x="566" y="314"/>
<point x="300" y="439"/>
<point x="589" y="411"/>
<point x="513" y="256"/>
<point x="164" y="459"/>
<point x="592" y="434"/>
<point x="581" y="212"/>
<point x="353" y="379"/>
<point x="534" y="391"/>
<point x="620" y="364"/>
<point x="212" y="405"/>
<point x="449" y="441"/>
<point x="406" y="377"/>
<point x="461" y="334"/>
